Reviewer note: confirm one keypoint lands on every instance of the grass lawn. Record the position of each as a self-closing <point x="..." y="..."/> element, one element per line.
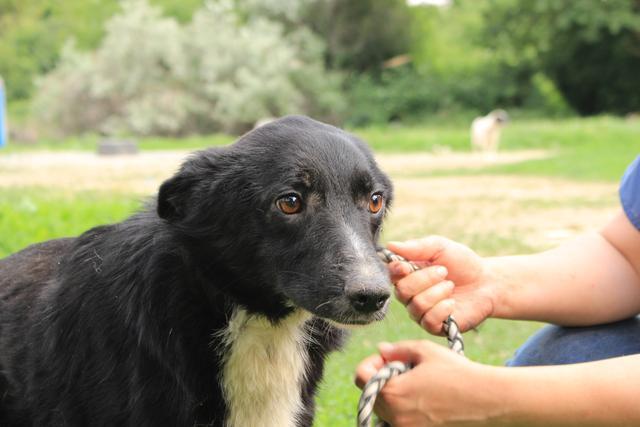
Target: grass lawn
<point x="30" y="215"/>
<point x="596" y="148"/>
<point x="496" y="209"/>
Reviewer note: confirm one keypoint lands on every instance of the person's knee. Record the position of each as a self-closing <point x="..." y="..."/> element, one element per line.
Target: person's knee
<point x="555" y="345"/>
<point x="540" y="349"/>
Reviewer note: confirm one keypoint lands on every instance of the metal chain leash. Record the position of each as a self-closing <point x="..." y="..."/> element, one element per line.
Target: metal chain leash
<point x="392" y="369"/>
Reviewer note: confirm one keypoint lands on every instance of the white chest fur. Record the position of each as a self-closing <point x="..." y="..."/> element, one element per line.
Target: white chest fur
<point x="263" y="370"/>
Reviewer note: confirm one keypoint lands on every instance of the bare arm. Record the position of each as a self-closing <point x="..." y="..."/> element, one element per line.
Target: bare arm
<point x="602" y="393"/>
<point x="590" y="280"/>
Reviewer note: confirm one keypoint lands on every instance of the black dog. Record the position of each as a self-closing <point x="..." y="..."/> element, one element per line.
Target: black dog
<point x="217" y="306"/>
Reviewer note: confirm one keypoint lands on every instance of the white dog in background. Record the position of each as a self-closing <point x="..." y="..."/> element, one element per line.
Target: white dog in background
<point x="485" y="131"/>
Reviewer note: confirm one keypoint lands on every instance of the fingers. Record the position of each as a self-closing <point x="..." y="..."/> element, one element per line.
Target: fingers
<point x="418" y="282"/>
<point x="432" y="307"/>
<point x="426" y="249"/>
<point x="367" y="368"/>
<point x="433" y="320"/>
<point x="398" y="270"/>
<point x="411" y="352"/>
<point x="424" y="301"/>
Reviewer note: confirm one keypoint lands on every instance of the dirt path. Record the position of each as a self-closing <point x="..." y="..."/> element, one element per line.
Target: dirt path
<point x="142" y="173"/>
<point x="406" y="164"/>
<point x="79" y="171"/>
<point x="537" y="212"/>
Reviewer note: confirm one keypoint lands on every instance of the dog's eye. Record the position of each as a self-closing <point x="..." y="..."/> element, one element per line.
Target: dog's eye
<point x="289" y="204"/>
<point x="376" y="202"/>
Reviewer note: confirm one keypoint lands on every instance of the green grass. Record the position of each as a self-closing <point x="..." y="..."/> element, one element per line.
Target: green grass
<point x="591" y="149"/>
<point x="595" y="148"/>
<point x="30" y="215"/>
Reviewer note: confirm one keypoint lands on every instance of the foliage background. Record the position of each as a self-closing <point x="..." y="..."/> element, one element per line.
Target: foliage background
<point x="169" y="67"/>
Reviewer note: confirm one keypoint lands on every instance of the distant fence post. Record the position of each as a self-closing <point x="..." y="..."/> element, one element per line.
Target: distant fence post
<point x="3" y="115"/>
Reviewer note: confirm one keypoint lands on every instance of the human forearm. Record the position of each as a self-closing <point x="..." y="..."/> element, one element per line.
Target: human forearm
<point x="593" y="279"/>
<point x="585" y="281"/>
<point x="602" y="393"/>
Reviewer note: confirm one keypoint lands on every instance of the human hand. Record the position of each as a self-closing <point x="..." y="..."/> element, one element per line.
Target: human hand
<point x="441" y="389"/>
<point x="453" y="282"/>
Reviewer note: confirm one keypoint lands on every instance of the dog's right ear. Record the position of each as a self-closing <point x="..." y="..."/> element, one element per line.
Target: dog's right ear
<point x="173" y="196"/>
<point x="196" y="176"/>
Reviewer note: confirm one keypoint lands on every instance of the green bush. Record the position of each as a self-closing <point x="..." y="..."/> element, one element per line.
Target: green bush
<point x="454" y="70"/>
<point x="360" y="35"/>
<point x="33" y="32"/>
<point x="587" y="48"/>
<point x="399" y="94"/>
<point x="546" y="97"/>
<point x="152" y="75"/>
<point x="407" y="94"/>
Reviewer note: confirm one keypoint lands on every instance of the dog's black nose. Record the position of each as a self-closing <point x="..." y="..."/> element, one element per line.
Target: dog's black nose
<point x="368" y="302"/>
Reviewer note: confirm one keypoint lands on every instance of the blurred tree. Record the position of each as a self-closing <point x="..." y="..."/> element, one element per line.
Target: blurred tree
<point x="151" y="75"/>
<point x="33" y="32"/>
<point x="361" y="35"/>
<point x="546" y="55"/>
<point x="454" y="50"/>
<point x="182" y="10"/>
<point x="589" y="48"/>
<point x="448" y="51"/>
<point x="290" y="13"/>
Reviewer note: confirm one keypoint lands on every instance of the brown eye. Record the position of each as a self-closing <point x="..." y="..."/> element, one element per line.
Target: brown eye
<point x="376" y="202"/>
<point x="289" y="204"/>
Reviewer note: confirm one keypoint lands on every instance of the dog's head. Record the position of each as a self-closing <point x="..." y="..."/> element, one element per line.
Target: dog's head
<point x="499" y="116"/>
<point x="292" y="211"/>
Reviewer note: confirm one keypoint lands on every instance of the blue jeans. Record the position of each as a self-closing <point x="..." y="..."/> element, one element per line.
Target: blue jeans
<point x="556" y="345"/>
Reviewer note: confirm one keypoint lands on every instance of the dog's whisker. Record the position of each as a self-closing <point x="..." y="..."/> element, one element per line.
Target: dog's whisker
<point x="329" y="301"/>
<point x="323" y="304"/>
